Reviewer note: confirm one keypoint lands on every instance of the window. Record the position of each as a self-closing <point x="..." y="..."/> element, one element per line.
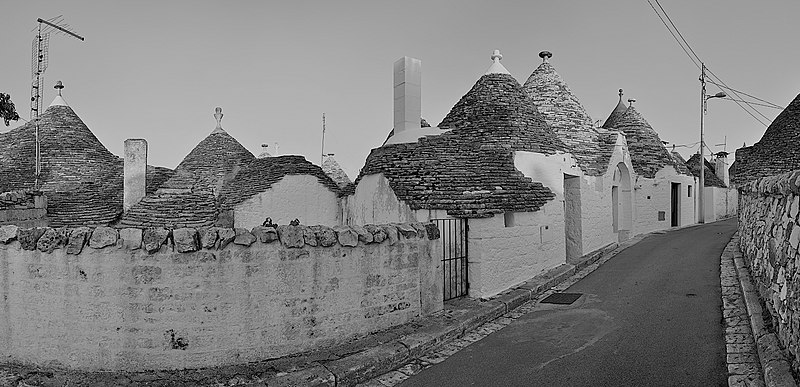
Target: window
<point x="690" y="191"/>
<point x="508" y="219"/>
<point x="662" y="215"/>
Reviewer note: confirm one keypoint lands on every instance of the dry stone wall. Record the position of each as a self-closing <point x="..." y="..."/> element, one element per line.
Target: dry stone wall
<point x="139" y="299"/>
<point x="28" y="208"/>
<point x="769" y="229"/>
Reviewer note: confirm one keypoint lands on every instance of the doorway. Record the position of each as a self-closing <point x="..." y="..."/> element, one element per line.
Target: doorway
<point x="573" y="232"/>
<point x="622" y="203"/>
<point x="675" y="208"/>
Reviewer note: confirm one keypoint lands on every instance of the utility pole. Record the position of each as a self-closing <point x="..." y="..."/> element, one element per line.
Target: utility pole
<point x="701" y="217"/>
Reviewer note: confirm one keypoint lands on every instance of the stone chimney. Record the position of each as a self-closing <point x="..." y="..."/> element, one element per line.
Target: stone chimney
<point x="135" y="172"/>
<point x="721" y="167"/>
<point x="407" y="94"/>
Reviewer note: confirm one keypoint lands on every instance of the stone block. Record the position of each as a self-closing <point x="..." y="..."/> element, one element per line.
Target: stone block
<point x="243" y="237"/>
<point x="362" y="366"/>
<point x="77" y="239"/>
<point x="186" y="240"/>
<point x="8" y="233"/>
<point x="153" y="238"/>
<point x="131" y="238"/>
<point x="346" y="236"/>
<point x="226" y="236"/>
<point x="406" y="230"/>
<point x="103" y="237"/>
<point x="432" y="230"/>
<point x="326" y="237"/>
<point x="378" y="235"/>
<point x="421" y="231"/>
<point x="51" y="240"/>
<point x="309" y="236"/>
<point x="363" y="235"/>
<point x="265" y="234"/>
<point x="391" y="233"/>
<point x="291" y="235"/>
<point x="208" y="237"/>
<point x="28" y="237"/>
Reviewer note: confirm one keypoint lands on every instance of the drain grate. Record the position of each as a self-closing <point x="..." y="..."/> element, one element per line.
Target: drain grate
<point x="561" y="298"/>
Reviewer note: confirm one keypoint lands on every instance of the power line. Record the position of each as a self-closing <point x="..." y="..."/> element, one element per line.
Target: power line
<point x="673" y="35"/>
<point x="769" y="104"/>
<point x="696" y="58"/>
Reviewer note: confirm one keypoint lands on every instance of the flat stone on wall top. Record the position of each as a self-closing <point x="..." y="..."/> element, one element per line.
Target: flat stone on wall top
<point x="187" y="240"/>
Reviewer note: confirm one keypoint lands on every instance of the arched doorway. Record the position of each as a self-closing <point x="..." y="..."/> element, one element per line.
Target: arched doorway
<point x="622" y="203"/>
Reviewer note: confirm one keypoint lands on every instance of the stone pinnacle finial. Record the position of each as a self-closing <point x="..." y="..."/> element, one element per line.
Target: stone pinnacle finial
<point x="218" y="115"/>
<point x="620" y="94"/>
<point x="497" y="67"/>
<point x="58" y="87"/>
<point x="545" y="55"/>
<point x="497" y="56"/>
<point x="631" y="101"/>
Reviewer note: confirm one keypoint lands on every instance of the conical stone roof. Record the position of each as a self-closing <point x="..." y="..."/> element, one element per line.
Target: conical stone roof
<point x="710" y="178"/>
<point x="215" y="161"/>
<point x="648" y="154"/>
<point x="332" y="168"/>
<point x="70" y="153"/>
<point x="564" y="113"/>
<point x="778" y="150"/>
<point x="189" y="197"/>
<point x="469" y="171"/>
<point x="615" y="115"/>
<point x="81" y="178"/>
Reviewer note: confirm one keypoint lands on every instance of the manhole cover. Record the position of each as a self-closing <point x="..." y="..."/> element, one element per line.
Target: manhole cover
<point x="562" y="298"/>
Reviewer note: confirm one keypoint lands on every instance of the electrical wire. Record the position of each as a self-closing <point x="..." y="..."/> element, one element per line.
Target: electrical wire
<point x="753" y="97"/>
<point x="696" y="58"/>
<point x="673" y="34"/>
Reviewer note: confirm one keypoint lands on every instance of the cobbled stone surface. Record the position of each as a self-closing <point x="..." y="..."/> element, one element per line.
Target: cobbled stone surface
<point x="744" y="366"/>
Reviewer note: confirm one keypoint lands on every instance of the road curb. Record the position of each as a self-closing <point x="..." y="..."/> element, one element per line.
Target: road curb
<point x="774" y="364"/>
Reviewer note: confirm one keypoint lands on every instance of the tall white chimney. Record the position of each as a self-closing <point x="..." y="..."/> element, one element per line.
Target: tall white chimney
<point x="407" y="94"/>
<point x="135" y="180"/>
<point x="721" y="168"/>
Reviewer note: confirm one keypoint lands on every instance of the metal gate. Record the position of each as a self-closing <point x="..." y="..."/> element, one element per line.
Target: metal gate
<point x="455" y="248"/>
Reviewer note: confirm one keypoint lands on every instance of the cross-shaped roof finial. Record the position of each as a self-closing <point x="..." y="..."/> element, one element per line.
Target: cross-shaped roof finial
<point x="545" y="55"/>
<point x="218" y="116"/>
<point x="631" y="101"/>
<point x="58" y="87"/>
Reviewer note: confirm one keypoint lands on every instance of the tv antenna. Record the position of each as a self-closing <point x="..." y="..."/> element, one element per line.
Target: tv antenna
<point x="322" y="151"/>
<point x="39" y="62"/>
<point x="40" y="59"/>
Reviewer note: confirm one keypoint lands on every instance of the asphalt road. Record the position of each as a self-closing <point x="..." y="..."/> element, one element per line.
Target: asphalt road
<point x="651" y="316"/>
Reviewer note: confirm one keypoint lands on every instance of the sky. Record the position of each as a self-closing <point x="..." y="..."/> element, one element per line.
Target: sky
<point x="157" y="69"/>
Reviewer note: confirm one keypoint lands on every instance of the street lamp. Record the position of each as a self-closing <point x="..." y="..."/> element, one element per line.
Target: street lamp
<point x="701" y="217"/>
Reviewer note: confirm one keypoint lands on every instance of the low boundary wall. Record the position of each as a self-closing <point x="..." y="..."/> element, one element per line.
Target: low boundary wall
<point x="133" y="299"/>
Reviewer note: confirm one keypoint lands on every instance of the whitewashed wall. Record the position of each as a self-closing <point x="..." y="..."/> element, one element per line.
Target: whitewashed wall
<point x="659" y="191"/>
<point x="501" y="257"/>
<point x="375" y="202"/>
<point x="293" y="197"/>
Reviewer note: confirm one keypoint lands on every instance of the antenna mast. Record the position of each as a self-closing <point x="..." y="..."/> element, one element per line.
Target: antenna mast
<point x="39" y="62"/>
<point x="322" y="152"/>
